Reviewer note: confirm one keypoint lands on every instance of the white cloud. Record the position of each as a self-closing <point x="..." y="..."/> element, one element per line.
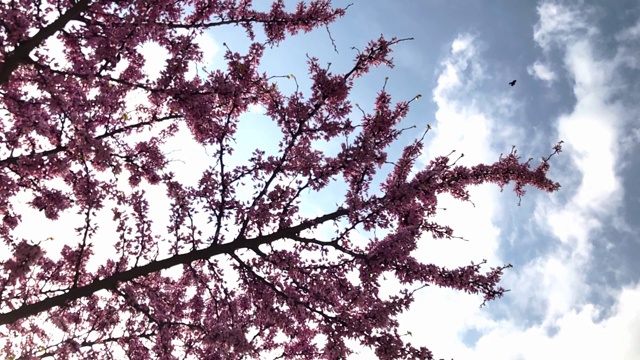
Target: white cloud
<point x="559" y="24"/>
<point x="630" y="34"/>
<point x="579" y="335"/>
<point x="629" y="46"/>
<point x="459" y="72"/>
<point x="591" y="135"/>
<point x="440" y="316"/>
<point x="541" y="71"/>
<point x="467" y="120"/>
<point x="555" y="285"/>
<point x="463" y="43"/>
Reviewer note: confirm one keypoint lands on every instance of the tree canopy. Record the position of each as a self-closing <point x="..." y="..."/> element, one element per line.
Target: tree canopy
<point x="65" y="144"/>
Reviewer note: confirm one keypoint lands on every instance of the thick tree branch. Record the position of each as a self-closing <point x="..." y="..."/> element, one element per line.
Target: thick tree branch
<point x="156" y="266"/>
<point x="21" y="53"/>
<point x="106" y="134"/>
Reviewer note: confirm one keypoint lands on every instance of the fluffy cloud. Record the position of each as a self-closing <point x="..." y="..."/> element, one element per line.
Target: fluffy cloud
<point x="440" y="317"/>
<point x="559" y="24"/>
<point x="542" y="71"/>
<point x="575" y="335"/>
<point x="558" y="286"/>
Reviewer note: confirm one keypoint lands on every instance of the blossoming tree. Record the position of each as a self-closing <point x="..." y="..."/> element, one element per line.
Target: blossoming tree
<point x="296" y="295"/>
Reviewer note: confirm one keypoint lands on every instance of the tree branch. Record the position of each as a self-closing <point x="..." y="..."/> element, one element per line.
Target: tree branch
<point x="156" y="266"/>
<point x="21" y="53"/>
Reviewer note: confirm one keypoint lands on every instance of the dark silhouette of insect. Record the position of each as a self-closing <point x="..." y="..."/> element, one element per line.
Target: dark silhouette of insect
<point x="512" y="83"/>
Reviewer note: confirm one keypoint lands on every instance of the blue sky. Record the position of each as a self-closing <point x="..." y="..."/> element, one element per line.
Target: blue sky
<point x="575" y="290"/>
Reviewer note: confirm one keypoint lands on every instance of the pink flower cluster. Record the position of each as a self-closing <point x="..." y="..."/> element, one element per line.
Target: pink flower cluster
<point x="24" y="256"/>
